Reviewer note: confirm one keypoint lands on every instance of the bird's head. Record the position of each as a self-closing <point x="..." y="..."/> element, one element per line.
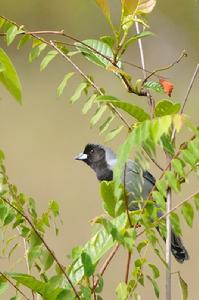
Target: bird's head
<point x="101" y="159"/>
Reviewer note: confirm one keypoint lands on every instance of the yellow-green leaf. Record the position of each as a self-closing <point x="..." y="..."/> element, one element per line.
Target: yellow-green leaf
<point x="103" y="4"/>
<point x="9" y="77"/>
<point x="146" y="6"/>
<point x="63" y="84"/>
<point x="184" y="287"/>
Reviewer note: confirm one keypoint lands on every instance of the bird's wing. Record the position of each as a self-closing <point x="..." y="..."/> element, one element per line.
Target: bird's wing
<point x="138" y="182"/>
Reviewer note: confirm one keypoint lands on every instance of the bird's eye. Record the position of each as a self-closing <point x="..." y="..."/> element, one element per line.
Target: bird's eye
<point x="92" y="150"/>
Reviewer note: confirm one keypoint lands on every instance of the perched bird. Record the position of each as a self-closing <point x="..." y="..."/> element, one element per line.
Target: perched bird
<point x="138" y="184"/>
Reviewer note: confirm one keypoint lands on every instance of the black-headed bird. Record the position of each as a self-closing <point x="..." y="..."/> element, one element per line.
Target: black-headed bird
<point x="138" y="184"/>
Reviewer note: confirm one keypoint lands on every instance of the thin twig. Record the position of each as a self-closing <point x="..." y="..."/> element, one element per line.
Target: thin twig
<point x="91" y="82"/>
<point x="140" y="48"/>
<point x="151" y="101"/>
<point x="182" y="55"/>
<point x="44" y="243"/>
<point x="128" y="266"/>
<point x="106" y="263"/>
<point x="14" y="286"/>
<point x="189" y="88"/>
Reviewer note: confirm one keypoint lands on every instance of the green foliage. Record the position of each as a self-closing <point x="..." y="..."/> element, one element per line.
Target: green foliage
<point x="135" y="111"/>
<point x="166" y="107"/>
<point x="152" y="132"/>
<point x="47" y="59"/>
<point x="3" y="285"/>
<point x="184" y="287"/>
<point x="96" y="51"/>
<point x="9" y="77"/>
<point x="63" y="84"/>
<point x="155" y="86"/>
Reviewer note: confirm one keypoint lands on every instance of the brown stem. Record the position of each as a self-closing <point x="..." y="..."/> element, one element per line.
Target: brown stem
<point x="14" y="286"/>
<point x="128" y="267"/>
<point x="44" y="243"/>
<point x="106" y="263"/>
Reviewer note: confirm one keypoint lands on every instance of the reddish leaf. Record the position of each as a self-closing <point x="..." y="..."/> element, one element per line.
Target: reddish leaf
<point x="167" y="86"/>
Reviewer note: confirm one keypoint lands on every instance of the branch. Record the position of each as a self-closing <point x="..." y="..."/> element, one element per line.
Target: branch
<point x="183" y="54"/>
<point x="189" y="88"/>
<point x="14" y="286"/>
<point x="128" y="267"/>
<point x="44" y="243"/>
<point x="106" y="263"/>
<point x="90" y="81"/>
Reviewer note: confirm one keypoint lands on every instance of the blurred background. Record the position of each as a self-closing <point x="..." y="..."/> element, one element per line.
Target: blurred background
<point x="41" y="136"/>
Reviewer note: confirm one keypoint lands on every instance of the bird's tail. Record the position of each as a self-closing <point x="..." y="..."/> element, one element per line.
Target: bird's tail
<point x="177" y="248"/>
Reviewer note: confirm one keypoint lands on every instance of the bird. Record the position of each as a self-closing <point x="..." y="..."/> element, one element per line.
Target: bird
<point x="138" y="184"/>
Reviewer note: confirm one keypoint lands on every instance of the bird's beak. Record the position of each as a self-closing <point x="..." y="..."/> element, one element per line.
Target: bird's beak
<point x="81" y="156"/>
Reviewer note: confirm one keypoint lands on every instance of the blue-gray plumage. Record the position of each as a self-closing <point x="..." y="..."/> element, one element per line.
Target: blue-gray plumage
<point x="138" y="184"/>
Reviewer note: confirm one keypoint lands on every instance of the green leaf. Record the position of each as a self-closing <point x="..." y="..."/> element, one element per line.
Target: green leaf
<point x="175" y="222"/>
<point x="25" y="38"/>
<point x="29" y="281"/>
<point x="89" y="267"/>
<point x="155" y="86"/>
<point x="166" y="107"/>
<point x="188" y="213"/>
<point x="178" y="167"/>
<point x="36" y="51"/>
<point x="184" y="287"/>
<point x="87" y="106"/>
<point x="86" y="292"/>
<point x="47" y="260"/>
<point x="159" y="199"/>
<point x="109" y="200"/>
<point x="11" y="34"/>
<point x="9" y="77"/>
<point x="3" y="285"/>
<point x="96" y="248"/>
<point x="54" y="206"/>
<point x="3" y="211"/>
<point x="33" y="254"/>
<point x="81" y="87"/>
<point x="137" y="37"/>
<point x="135" y="111"/>
<point x="109" y="40"/>
<point x="47" y="59"/>
<point x="63" y="84"/>
<point x="196" y="201"/>
<point x="32" y="208"/>
<point x="93" y="53"/>
<point x="15" y="298"/>
<point x="97" y="115"/>
<point x="142" y="245"/>
<point x="122" y="291"/>
<point x="172" y="181"/>
<point x="113" y="133"/>
<point x="106" y="124"/>
<point x="155" y="286"/>
<point x="155" y="270"/>
<point x="9" y="217"/>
